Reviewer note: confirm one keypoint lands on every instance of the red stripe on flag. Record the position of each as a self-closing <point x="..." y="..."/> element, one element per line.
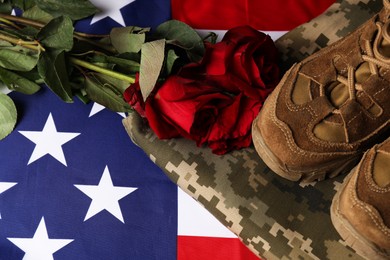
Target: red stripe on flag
<point x="276" y="15"/>
<point x="212" y="248"/>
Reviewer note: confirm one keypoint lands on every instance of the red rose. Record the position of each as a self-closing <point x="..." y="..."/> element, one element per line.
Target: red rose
<point x="133" y="96"/>
<point x="215" y="102"/>
<point x="247" y="56"/>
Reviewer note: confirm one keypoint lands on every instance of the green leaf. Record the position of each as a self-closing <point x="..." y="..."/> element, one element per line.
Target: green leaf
<point x="125" y="63"/>
<point x="171" y="58"/>
<point x="57" y="34"/>
<point x="31" y="75"/>
<point x="37" y="14"/>
<point x="18" y="58"/>
<point x="5" y="44"/>
<point x="152" y="60"/>
<point x="106" y="94"/>
<point x="5" y="8"/>
<point x="183" y="36"/>
<point x="17" y="82"/>
<point x="27" y="33"/>
<point x="75" y="9"/>
<point x="118" y="85"/>
<point x="128" y="39"/>
<point x="52" y="69"/>
<point x="8" y="115"/>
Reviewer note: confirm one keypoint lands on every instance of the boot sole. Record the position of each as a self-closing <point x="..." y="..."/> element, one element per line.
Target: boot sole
<point x="304" y="175"/>
<point x="351" y="237"/>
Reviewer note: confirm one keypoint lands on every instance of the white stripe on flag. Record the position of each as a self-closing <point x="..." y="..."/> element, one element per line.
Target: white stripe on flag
<point x="195" y="220"/>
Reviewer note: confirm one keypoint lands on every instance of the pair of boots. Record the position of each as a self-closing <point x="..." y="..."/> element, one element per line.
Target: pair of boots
<point x="330" y="113"/>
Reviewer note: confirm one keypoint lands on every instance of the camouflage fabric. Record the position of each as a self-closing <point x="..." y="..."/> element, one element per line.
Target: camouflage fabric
<point x="336" y="22"/>
<point x="274" y="218"/>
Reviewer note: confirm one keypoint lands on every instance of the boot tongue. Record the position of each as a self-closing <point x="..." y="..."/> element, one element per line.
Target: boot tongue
<point x="332" y="128"/>
<point x="339" y="93"/>
<point x="385" y="48"/>
<point x="381" y="169"/>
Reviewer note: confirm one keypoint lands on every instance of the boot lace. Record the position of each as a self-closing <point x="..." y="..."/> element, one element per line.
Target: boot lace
<point x="374" y="58"/>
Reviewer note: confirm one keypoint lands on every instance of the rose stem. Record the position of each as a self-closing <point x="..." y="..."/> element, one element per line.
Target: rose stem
<point x="80" y="36"/>
<point x="104" y="71"/>
<point x="33" y="45"/>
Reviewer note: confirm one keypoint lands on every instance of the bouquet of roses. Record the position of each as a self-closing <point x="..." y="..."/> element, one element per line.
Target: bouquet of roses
<point x="182" y="84"/>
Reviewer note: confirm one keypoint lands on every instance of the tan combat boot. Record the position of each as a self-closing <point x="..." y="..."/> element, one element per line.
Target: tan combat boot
<point x="360" y="210"/>
<point x="330" y="108"/>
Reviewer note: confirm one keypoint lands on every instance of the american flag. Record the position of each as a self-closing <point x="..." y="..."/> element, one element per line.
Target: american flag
<point x="74" y="186"/>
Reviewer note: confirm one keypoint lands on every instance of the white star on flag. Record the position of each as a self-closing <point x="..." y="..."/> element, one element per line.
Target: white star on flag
<point x="105" y="196"/>
<point x="40" y="246"/>
<point x="96" y="108"/>
<point x="48" y="141"/>
<point x="110" y="9"/>
<point x="5" y="186"/>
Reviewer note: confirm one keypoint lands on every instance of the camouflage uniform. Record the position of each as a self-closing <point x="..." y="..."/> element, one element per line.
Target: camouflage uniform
<point x="274" y="218"/>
